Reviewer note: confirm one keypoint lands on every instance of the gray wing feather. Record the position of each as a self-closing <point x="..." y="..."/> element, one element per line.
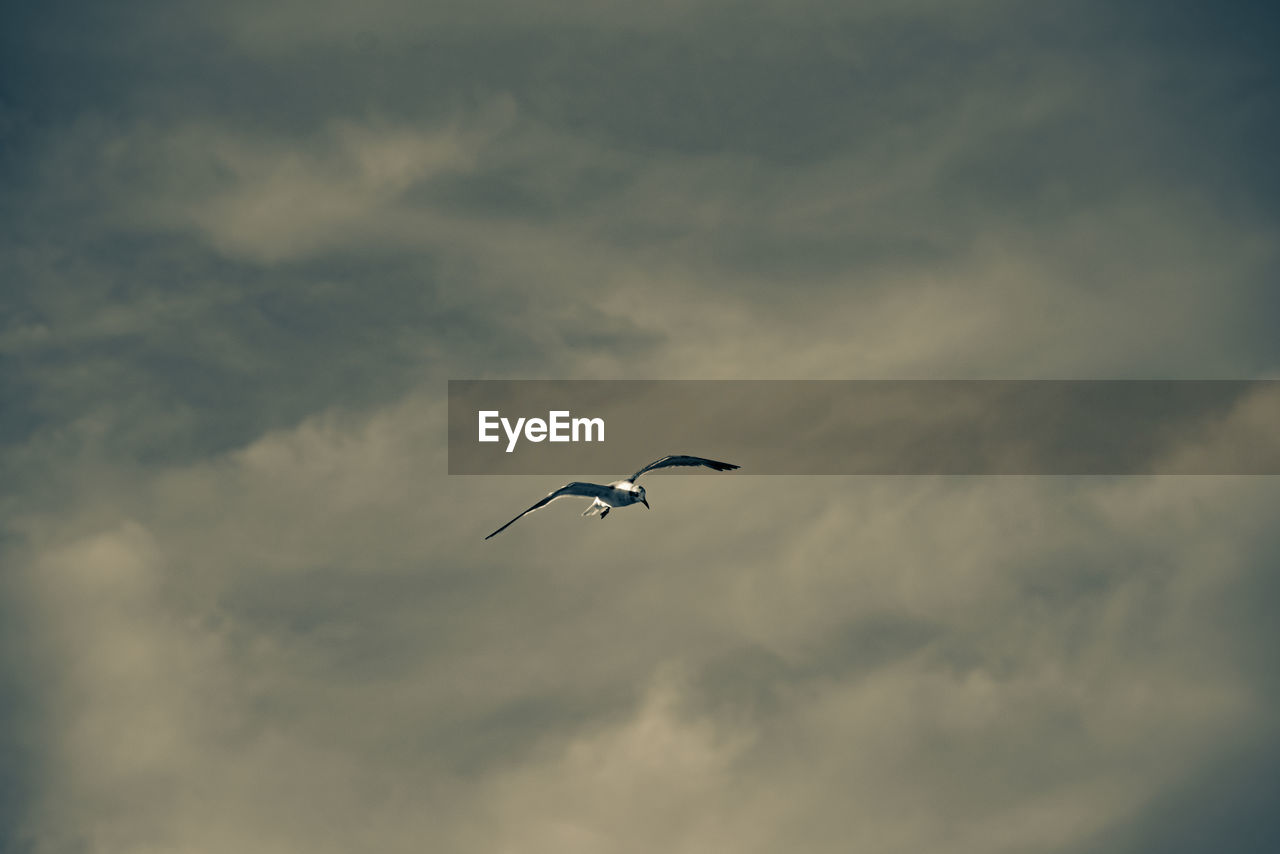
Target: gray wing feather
<point x="590" y="490"/>
<point x="682" y="460"/>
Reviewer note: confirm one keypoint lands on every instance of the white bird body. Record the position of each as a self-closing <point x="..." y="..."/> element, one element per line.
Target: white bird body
<point x="624" y="493"/>
<point x="620" y="493"/>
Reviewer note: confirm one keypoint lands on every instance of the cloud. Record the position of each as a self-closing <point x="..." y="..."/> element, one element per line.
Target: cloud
<point x="308" y="628"/>
<point x="245" y="247"/>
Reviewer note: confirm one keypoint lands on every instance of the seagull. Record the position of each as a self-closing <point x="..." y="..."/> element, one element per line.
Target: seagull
<point x="620" y="493"/>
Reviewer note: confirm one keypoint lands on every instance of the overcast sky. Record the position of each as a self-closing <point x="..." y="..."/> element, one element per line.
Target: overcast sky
<point x="245" y="245"/>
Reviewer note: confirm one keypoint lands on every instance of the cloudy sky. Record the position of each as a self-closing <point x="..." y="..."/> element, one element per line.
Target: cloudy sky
<point x="246" y="244"/>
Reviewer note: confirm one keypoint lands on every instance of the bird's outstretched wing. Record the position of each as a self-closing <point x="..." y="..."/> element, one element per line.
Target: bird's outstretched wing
<point x="681" y="460"/>
<point x="589" y="490"/>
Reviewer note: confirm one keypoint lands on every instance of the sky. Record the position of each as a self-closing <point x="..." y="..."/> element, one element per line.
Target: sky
<point x="245" y="245"/>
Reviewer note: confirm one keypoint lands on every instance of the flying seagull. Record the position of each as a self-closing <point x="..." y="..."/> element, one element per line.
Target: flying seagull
<point x="620" y="493"/>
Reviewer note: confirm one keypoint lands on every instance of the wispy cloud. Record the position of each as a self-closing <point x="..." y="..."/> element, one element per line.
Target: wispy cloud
<point x="246" y="245"/>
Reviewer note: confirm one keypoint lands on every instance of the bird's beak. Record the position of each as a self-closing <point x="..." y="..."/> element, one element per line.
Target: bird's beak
<point x="645" y="502"/>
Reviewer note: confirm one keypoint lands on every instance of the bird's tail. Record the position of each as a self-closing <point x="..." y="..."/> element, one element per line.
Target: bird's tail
<point x="593" y="508"/>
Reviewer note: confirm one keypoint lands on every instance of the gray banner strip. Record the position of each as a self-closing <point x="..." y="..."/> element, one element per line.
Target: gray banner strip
<point x="880" y="427"/>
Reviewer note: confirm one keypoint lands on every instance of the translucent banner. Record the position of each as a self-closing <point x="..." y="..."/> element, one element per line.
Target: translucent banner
<point x="878" y="427"/>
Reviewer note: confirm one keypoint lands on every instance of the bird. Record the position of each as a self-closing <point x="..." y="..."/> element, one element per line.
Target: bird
<point x="620" y="493"/>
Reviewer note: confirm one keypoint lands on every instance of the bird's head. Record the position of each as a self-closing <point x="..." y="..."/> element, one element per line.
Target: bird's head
<point x="640" y="496"/>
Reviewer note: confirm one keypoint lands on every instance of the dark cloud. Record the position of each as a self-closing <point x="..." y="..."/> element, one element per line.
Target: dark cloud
<point x="245" y="246"/>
